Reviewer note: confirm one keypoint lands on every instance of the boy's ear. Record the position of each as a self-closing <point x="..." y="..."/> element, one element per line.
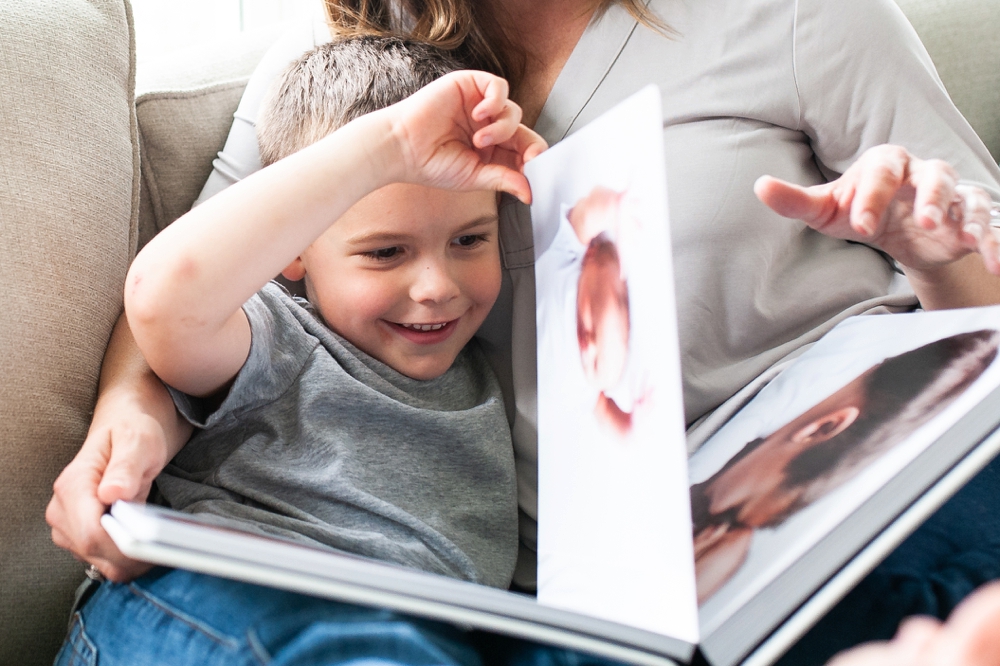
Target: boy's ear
<point x="295" y="271"/>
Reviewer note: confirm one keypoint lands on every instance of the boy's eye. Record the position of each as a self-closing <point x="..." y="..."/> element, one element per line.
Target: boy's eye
<point x="470" y="240"/>
<point x="384" y="253"/>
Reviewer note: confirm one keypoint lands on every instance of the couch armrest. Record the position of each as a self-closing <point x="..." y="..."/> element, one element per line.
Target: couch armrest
<point x="69" y="184"/>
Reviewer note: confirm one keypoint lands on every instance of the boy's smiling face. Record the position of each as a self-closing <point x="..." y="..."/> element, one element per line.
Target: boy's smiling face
<point x="407" y="274"/>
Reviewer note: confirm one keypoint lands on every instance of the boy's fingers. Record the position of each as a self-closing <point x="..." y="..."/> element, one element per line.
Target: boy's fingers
<point x="528" y="143"/>
<point x="525" y="143"/>
<point x="502" y="127"/>
<point x="504" y="179"/>
<point x="495" y="92"/>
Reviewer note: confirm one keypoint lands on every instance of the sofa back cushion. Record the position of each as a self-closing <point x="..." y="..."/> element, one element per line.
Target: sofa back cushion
<point x="68" y="210"/>
<point x="185" y="105"/>
<point x="961" y="37"/>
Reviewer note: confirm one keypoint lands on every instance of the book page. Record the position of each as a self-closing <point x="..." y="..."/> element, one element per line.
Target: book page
<point x="824" y="436"/>
<point x="614" y="535"/>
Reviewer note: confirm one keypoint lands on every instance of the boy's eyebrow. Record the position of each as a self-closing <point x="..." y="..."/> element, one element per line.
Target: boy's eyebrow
<point x="389" y="236"/>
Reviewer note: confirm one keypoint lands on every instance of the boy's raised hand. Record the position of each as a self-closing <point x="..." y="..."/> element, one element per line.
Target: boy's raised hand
<point x="463" y="132"/>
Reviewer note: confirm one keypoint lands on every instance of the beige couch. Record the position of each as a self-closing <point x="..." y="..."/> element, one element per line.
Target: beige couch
<point x="75" y="198"/>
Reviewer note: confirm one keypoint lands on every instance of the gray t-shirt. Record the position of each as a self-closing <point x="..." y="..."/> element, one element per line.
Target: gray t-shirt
<point x="321" y="443"/>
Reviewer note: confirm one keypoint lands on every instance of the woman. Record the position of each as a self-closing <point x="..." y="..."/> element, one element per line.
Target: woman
<point x="836" y="97"/>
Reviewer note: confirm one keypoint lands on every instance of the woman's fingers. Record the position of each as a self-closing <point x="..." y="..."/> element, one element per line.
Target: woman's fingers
<point x="876" y="179"/>
<point x="970" y="636"/>
<point x="934" y="182"/>
<point x="970" y="212"/>
<point x="74" y="513"/>
<point x="133" y="464"/>
<point x="816" y="206"/>
<point x="912" y="209"/>
<point x="109" y="466"/>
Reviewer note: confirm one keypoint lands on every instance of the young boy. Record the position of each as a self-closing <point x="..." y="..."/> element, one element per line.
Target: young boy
<point x="362" y="420"/>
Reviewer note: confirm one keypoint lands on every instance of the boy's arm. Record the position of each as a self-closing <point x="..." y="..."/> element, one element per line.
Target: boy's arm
<point x="184" y="292"/>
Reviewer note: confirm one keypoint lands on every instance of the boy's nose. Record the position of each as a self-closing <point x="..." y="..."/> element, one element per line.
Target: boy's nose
<point x="433" y="284"/>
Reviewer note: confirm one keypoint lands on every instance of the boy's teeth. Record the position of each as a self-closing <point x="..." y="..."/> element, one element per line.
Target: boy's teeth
<point x="424" y="327"/>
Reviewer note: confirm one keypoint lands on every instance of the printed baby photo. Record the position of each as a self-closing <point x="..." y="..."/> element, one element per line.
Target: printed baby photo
<point x="824" y="436"/>
<point x="611" y="448"/>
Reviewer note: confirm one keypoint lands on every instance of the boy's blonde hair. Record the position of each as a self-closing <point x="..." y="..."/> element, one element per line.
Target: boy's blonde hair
<point x="339" y="81"/>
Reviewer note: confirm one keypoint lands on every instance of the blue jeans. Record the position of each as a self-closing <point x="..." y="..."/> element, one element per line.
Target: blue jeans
<point x="173" y="617"/>
<point x="950" y="555"/>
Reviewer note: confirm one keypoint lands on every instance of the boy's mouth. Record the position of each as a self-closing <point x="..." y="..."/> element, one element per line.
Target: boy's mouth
<point x="425" y="334"/>
<point x="424" y="327"/>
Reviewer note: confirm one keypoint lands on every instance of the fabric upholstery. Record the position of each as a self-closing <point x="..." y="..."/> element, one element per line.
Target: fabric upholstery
<point x="961" y="37"/>
<point x="68" y="200"/>
<point x="185" y="107"/>
<point x="180" y="133"/>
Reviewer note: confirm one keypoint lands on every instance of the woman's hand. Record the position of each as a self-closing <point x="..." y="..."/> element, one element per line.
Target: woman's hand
<point x="912" y="209"/>
<point x="463" y="132"/>
<point x="134" y="433"/>
<point x="114" y="463"/>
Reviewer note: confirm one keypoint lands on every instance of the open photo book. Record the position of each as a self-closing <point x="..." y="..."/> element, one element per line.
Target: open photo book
<point x="647" y="555"/>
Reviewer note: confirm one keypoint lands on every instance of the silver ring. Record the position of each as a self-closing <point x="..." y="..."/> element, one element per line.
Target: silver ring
<point x="995" y="216"/>
<point x="93" y="573"/>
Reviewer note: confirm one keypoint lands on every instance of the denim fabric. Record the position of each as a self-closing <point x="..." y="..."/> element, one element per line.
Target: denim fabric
<point x="950" y="555"/>
<point x="173" y="617"/>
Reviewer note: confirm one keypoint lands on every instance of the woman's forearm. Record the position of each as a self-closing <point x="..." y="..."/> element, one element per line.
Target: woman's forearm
<point x="134" y="433"/>
<point x="960" y="284"/>
<point x="127" y="382"/>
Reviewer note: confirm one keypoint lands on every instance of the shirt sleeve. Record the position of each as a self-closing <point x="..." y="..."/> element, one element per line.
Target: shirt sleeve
<point x="279" y="349"/>
<point x="864" y="78"/>
<point x="240" y="157"/>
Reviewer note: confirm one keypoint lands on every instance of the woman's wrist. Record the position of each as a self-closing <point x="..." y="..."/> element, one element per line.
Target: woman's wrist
<point x="143" y="397"/>
<point x="958" y="284"/>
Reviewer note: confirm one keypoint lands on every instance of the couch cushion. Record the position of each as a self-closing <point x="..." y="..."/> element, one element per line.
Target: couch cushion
<point x="185" y="105"/>
<point x="961" y="37"/>
<point x="68" y="210"/>
<point x="181" y="131"/>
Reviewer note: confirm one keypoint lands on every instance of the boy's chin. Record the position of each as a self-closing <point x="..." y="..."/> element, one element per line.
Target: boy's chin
<point x="424" y="369"/>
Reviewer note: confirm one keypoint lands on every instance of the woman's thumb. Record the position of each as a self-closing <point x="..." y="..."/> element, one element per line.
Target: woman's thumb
<point x="126" y="477"/>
